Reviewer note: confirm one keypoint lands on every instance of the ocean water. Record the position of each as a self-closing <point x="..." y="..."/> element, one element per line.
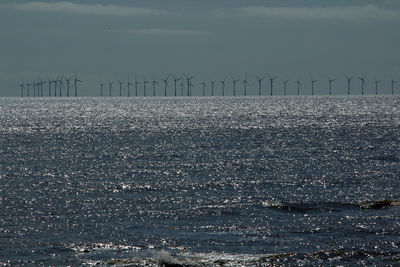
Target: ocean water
<point x="200" y="181"/>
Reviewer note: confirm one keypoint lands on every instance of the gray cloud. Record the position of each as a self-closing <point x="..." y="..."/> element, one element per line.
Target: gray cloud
<point x="95" y="9"/>
<point x="156" y="31"/>
<point x="348" y="13"/>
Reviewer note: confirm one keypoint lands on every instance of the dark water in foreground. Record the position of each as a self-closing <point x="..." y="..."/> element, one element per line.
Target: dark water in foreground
<point x="200" y="181"/>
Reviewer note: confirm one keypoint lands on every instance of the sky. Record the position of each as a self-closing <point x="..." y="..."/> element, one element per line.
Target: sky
<point x="115" y="40"/>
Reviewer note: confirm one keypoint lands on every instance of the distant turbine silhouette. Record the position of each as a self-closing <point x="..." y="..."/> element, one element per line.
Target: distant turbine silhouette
<point x="188" y="79"/>
<point x="312" y="85"/>
<point x="348" y="83"/>
<point x="154" y="82"/>
<point x="22" y="89"/>
<point x="245" y="83"/>
<point x="285" y="82"/>
<point x="34" y="88"/>
<point x="376" y="85"/>
<point x="175" y="80"/>
<point x="223" y="86"/>
<point x="110" y="83"/>
<point x="330" y="84"/>
<point x="272" y="79"/>
<point x="234" y="81"/>
<point x="298" y="86"/>
<point x="136" y="86"/>
<point x="68" y="83"/>
<point x="27" y="89"/>
<point x="259" y="84"/>
<point x="204" y="87"/>
<point x="61" y="84"/>
<point x="101" y="89"/>
<point x="120" y="87"/>
<point x="76" y="80"/>
<point x="144" y="86"/>
<point x="212" y="87"/>
<point x="41" y="86"/>
<point x="129" y="87"/>
<point x="165" y="85"/>
<point x="393" y="82"/>
<point x="182" y="86"/>
<point x="49" y="83"/>
<point x="362" y="79"/>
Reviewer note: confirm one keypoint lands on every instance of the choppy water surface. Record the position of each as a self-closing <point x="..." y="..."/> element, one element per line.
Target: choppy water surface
<point x="200" y="181"/>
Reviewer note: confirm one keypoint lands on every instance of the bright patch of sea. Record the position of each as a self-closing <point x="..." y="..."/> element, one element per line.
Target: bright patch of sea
<point x="200" y="181"/>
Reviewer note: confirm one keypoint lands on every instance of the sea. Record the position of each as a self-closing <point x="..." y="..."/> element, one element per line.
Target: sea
<point x="200" y="181"/>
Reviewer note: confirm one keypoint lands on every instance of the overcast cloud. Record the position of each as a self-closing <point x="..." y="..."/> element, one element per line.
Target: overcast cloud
<point x="113" y="40"/>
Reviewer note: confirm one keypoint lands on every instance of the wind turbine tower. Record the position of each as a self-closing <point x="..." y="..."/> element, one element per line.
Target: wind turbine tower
<point x="144" y="86"/>
<point x="212" y="87"/>
<point x="234" y="81"/>
<point x="188" y="79"/>
<point x="120" y="87"/>
<point x="27" y="89"/>
<point x="68" y="84"/>
<point x="362" y="79"/>
<point x="298" y="86"/>
<point x="204" y="87"/>
<point x="136" y="86"/>
<point x="348" y="83"/>
<point x="312" y="85"/>
<point x="245" y="83"/>
<point x="110" y="87"/>
<point x="34" y="88"/>
<point x="182" y="87"/>
<point x="60" y="81"/>
<point x="101" y="88"/>
<point x="154" y="85"/>
<point x="129" y="87"/>
<point x="376" y="85"/>
<point x="260" y="79"/>
<point x="223" y="86"/>
<point x="76" y="80"/>
<point x="175" y="80"/>
<point x="49" y="82"/>
<point x="165" y="85"/>
<point x="22" y="89"/>
<point x="330" y="84"/>
<point x="285" y="82"/>
<point x="272" y="79"/>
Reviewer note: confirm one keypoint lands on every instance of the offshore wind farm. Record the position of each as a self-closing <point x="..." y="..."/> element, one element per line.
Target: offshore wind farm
<point x="23" y="89"/>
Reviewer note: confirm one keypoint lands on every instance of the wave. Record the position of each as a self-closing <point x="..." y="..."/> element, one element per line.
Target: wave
<point x="331" y="206"/>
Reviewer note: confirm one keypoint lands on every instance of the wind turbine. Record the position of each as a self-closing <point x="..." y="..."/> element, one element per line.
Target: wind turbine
<point x="362" y="79"/>
<point x="259" y="84"/>
<point x="188" y="79"/>
<point x="165" y="85"/>
<point x="298" y="86"/>
<point x="204" y="87"/>
<point x="285" y="82"/>
<point x="76" y="80"/>
<point x="154" y="85"/>
<point x="144" y="86"/>
<point x="348" y="83"/>
<point x="136" y="86"/>
<point x="22" y="89"/>
<point x="376" y="85"/>
<point x="272" y="79"/>
<point x="182" y="86"/>
<point x="60" y="81"/>
<point x="129" y="87"/>
<point x="393" y="82"/>
<point x="34" y="88"/>
<point x="27" y="89"/>
<point x="175" y="80"/>
<point x="101" y="88"/>
<point x="110" y="87"/>
<point x="245" y="83"/>
<point x="223" y="86"/>
<point x="212" y="87"/>
<point x="330" y="84"/>
<point x="41" y="87"/>
<point x="49" y="82"/>
<point x="234" y="81"/>
<point x="312" y="85"/>
<point x="120" y="87"/>
<point x="68" y="83"/>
